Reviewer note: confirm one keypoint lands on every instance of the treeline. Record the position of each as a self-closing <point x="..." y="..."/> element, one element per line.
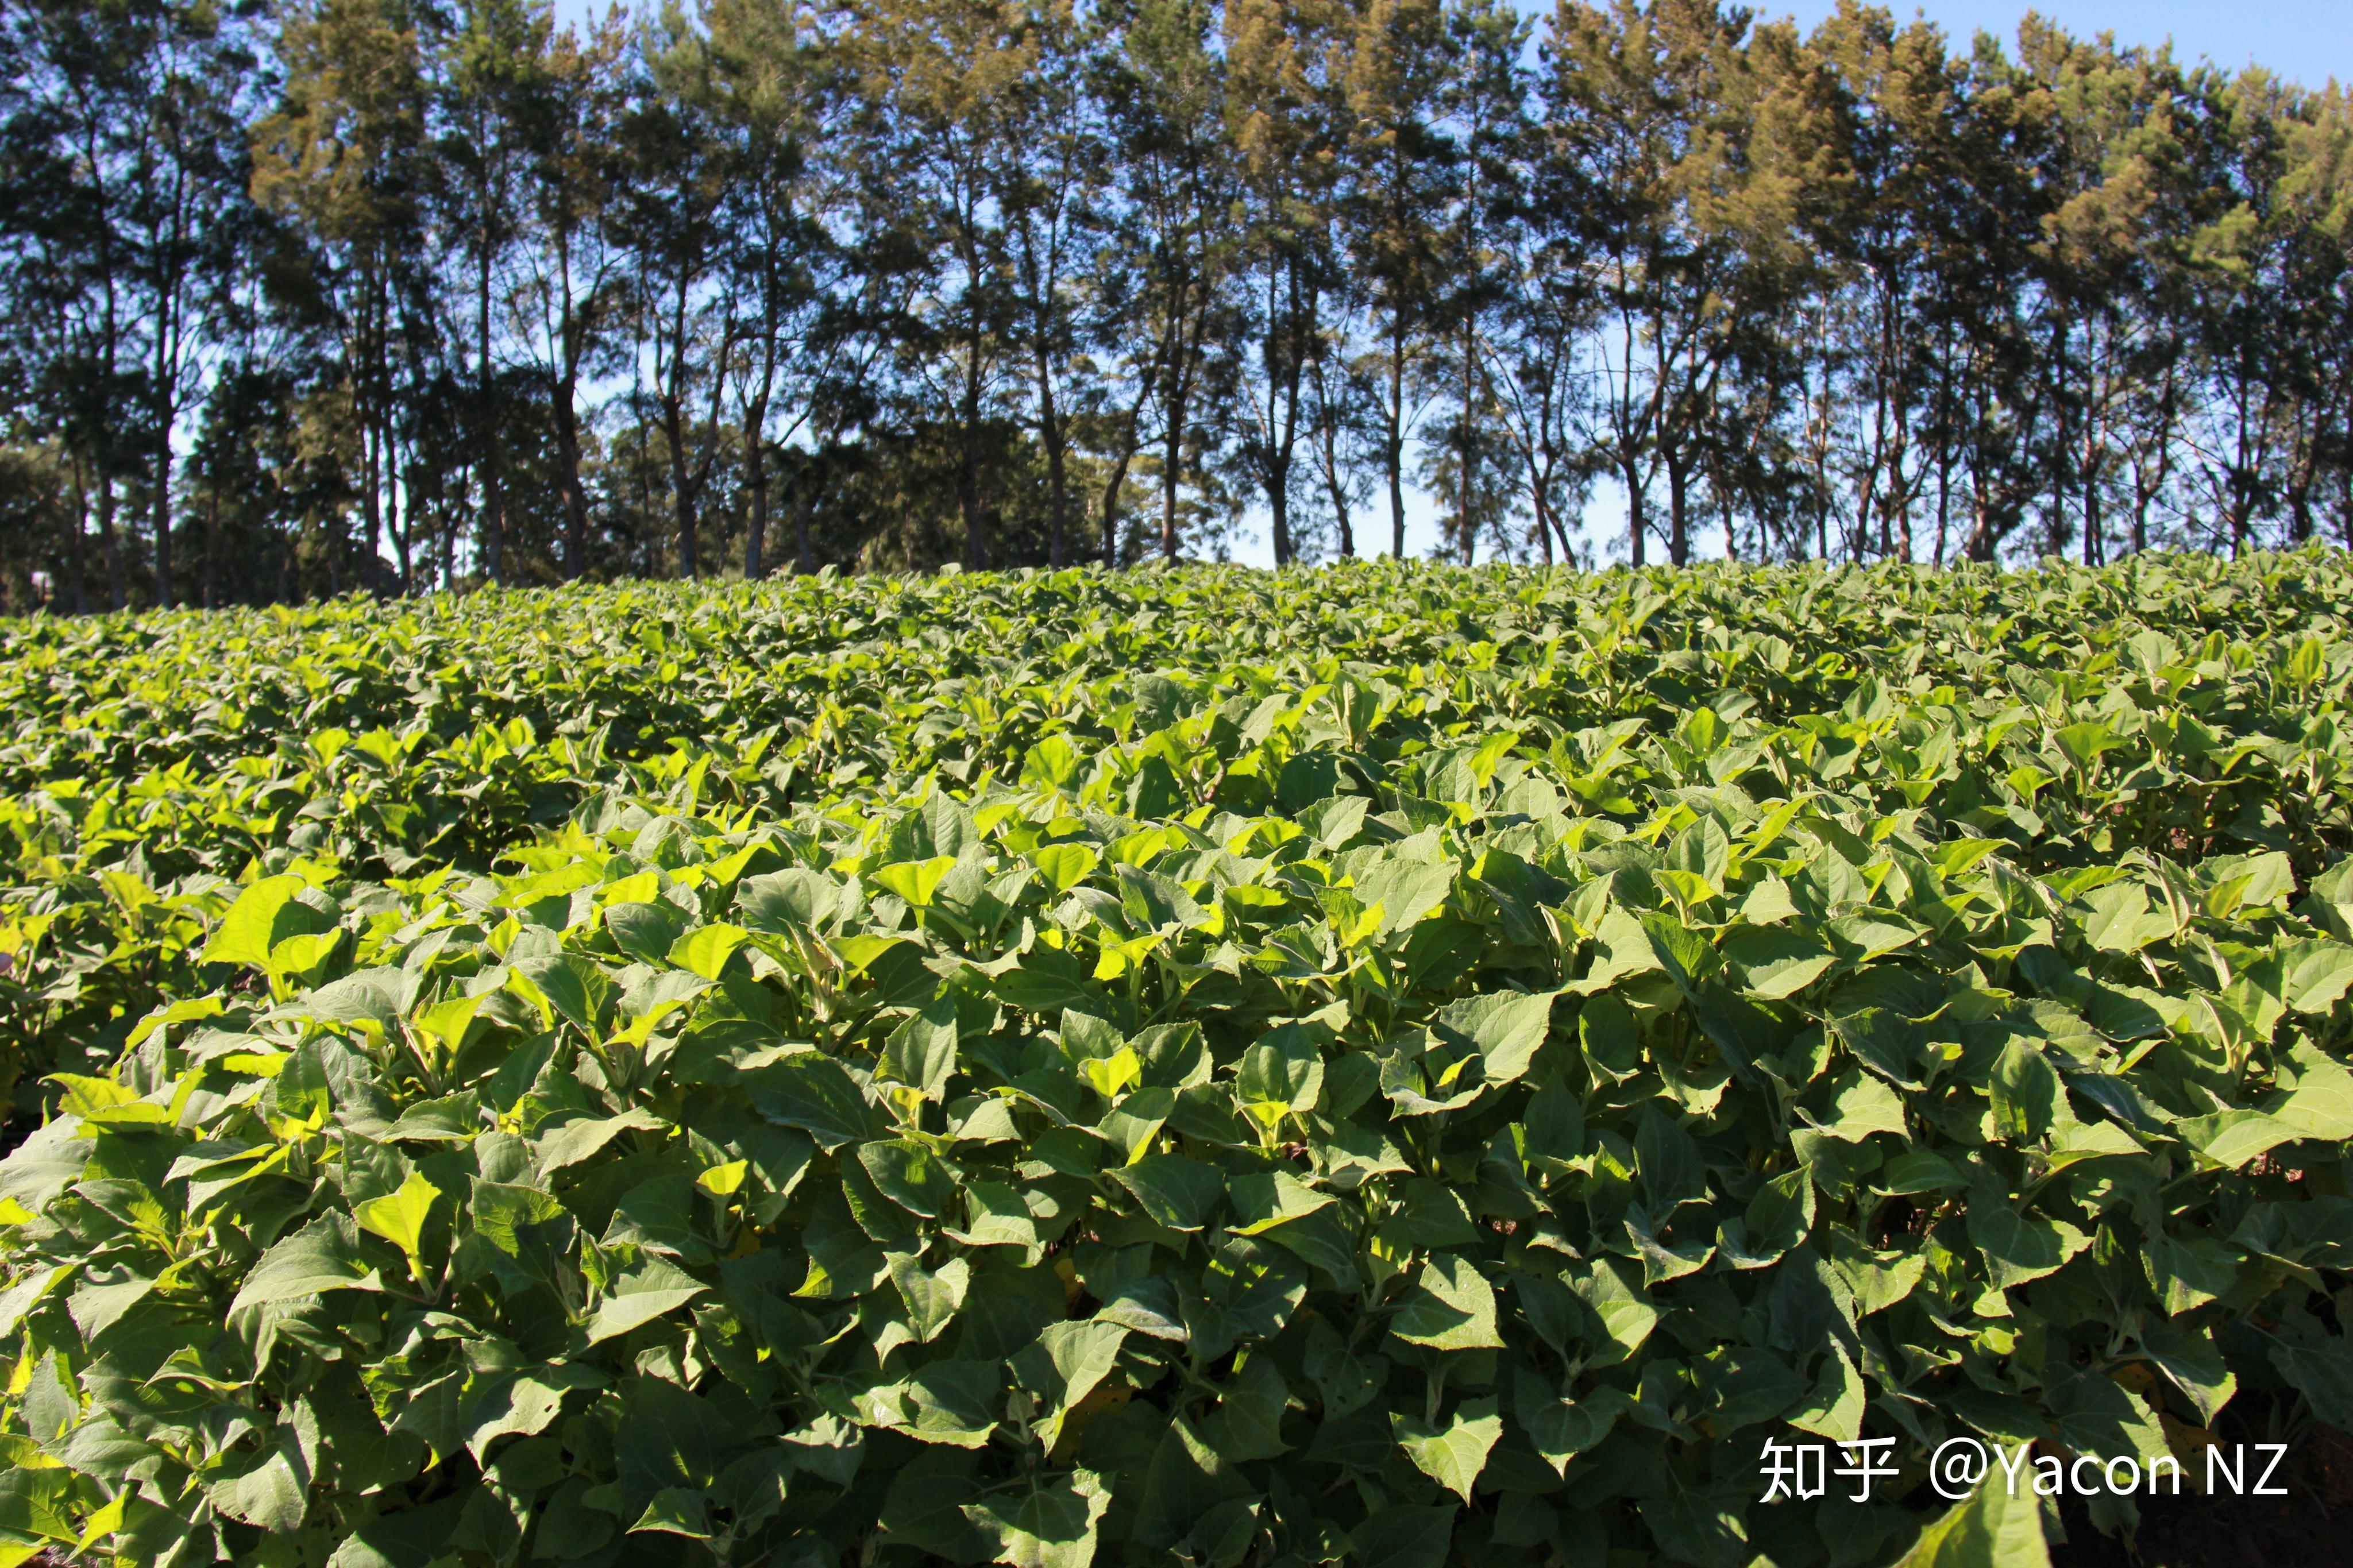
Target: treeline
<point x="398" y="295"/>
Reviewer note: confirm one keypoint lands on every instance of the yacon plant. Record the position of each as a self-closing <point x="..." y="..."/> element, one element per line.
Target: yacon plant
<point x="1421" y="1169"/>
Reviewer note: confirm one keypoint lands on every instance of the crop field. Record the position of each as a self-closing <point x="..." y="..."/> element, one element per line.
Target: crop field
<point x="1392" y="1067"/>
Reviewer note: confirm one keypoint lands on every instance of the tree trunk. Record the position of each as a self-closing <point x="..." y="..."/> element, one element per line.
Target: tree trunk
<point x="399" y="522"/>
<point x="756" y="480"/>
<point x="682" y="490"/>
<point x="576" y="498"/>
<point x="975" y="525"/>
<point x="1469" y="374"/>
<point x="1393" y="448"/>
<point x="371" y="498"/>
<point x="1637" y="527"/>
<point x="1110" y="491"/>
<point x="1058" y="487"/>
<point x="1172" y="460"/>
<point x="210" y="576"/>
<point x="163" y="502"/>
<point x="1678" y="512"/>
<point x="493" y="538"/>
<point x="2091" y="551"/>
<point x="1338" y="488"/>
<point x="447" y="538"/>
<point x="77" y="569"/>
<point x="804" y="515"/>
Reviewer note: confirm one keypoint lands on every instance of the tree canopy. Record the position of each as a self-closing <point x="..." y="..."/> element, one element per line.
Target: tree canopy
<point x="407" y="295"/>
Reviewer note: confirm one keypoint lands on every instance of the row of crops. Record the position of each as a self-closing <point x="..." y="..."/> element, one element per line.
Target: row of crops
<point x="1387" y="1067"/>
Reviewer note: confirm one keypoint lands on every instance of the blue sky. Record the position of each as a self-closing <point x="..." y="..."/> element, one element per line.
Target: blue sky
<point x="2304" y="40"/>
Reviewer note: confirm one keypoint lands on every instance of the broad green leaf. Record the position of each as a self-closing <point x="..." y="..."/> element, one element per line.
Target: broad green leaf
<point x="674" y="1510"/>
<point x="2193" y="1364"/>
<point x="1178" y="1193"/>
<point x="525" y="1233"/>
<point x="1453" y="1452"/>
<point x="1282" y="1074"/>
<point x="910" y="1175"/>
<point x="520" y="1402"/>
<point x="399" y="1216"/>
<point x="932" y="1297"/>
<point x="797" y="898"/>
<point x="323" y="1256"/>
<point x="257" y="922"/>
<point x="706" y="949"/>
<point x="2079" y="1140"/>
<point x="1264" y="1202"/>
<point x="2320" y="1369"/>
<point x="2027" y="1097"/>
<point x="640" y="1296"/>
<point x="1561" y="1425"/>
<point x="569" y="988"/>
<point x="1065" y="865"/>
<point x="2020" y="1247"/>
<point x="1044" y="1523"/>
<point x="725" y="1180"/>
<point x="1449" y="1307"/>
<point x="27" y="1293"/>
<point x="1623" y="1315"/>
<point x="2084" y="742"/>
<point x="2315" y="974"/>
<point x="1991" y="1528"/>
<point x="2322" y="1104"/>
<point x="1621" y="948"/>
<point x="921" y="1051"/>
<point x="2120" y="921"/>
<point x="998" y="1217"/>
<point x="268" y="1495"/>
<point x="1404" y="892"/>
<point x="1781" y="1214"/>
<point x="1834" y="1408"/>
<point x="1776" y="961"/>
<point x="915" y="881"/>
<point x="1505" y="1028"/>
<point x="96" y="1307"/>
<point x="810" y="1091"/>
<point x="299" y="954"/>
<point x="1863" y="1105"/>
<point x="1065" y="1363"/>
<point x="948" y="1402"/>
<point x="574" y="1142"/>
<point x="2231" y="1137"/>
<point x="1052" y="761"/>
<point x="1865" y="937"/>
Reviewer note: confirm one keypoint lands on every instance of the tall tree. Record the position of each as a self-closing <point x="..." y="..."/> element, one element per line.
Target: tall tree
<point x="493" y="55"/>
<point x="1402" y="167"/>
<point x="680" y="277"/>
<point x="772" y="96"/>
<point x="943" y="87"/>
<point x="1165" y="96"/>
<point x="572" y="282"/>
<point x="1283" y="114"/>
<point x="343" y="156"/>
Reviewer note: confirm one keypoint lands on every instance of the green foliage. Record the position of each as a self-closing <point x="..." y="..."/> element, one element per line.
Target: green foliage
<point x="1443" y="1066"/>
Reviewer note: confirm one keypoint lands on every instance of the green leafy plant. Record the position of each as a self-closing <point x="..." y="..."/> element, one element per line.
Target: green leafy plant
<point x="1280" y="1109"/>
